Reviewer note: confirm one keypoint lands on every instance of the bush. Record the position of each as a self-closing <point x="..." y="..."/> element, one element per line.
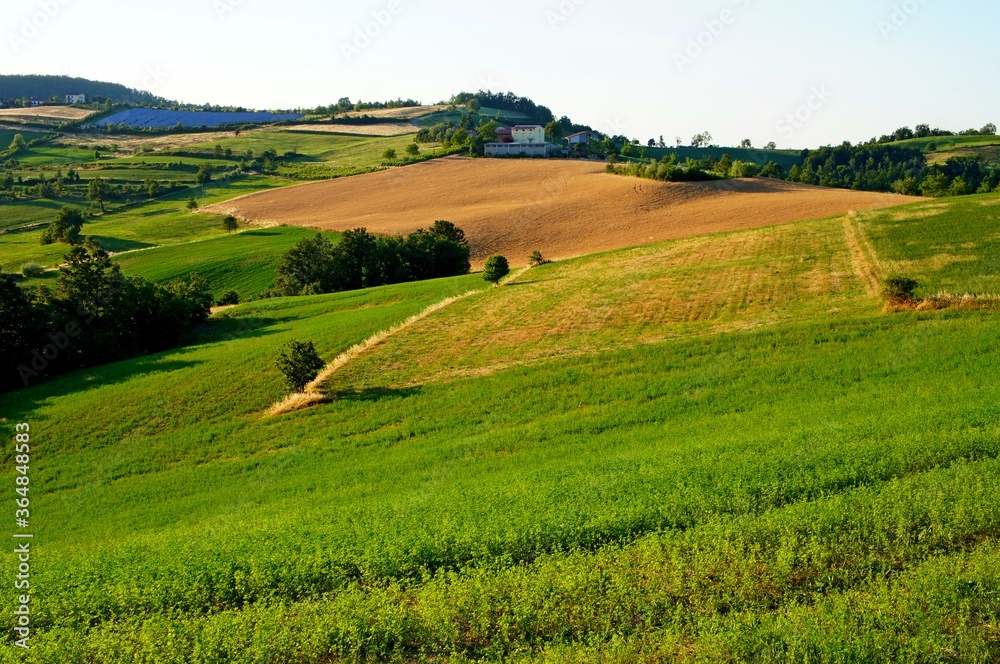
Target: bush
<point x="299" y="363"/>
<point x="496" y="269"/>
<point x="192" y="204"/>
<point x="389" y="154"/>
<point x="900" y="289"/>
<point x="228" y="299"/>
<point x="413" y="149"/>
<point x="30" y="270"/>
<point x="536" y="259"/>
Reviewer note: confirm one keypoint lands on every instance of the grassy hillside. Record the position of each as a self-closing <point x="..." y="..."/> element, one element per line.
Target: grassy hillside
<point x="784" y="158"/>
<point x="46" y="87"/>
<point x="166" y="221"/>
<point x="714" y="449"/>
<point x="951" y="247"/>
<point x="244" y="262"/>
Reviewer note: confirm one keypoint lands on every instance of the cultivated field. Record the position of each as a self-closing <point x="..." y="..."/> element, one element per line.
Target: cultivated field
<point x="381" y="129"/>
<point x="726" y="451"/>
<point x="562" y="208"/>
<point x="407" y="113"/>
<point x="45" y="113"/>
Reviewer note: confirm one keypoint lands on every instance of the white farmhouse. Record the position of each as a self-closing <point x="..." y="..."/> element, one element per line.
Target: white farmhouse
<point x="76" y="99"/>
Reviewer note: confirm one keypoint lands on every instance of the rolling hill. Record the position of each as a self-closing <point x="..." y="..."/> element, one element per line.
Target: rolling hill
<point x="562" y="208"/>
<point x="716" y="448"/>
<point x="47" y="87"/>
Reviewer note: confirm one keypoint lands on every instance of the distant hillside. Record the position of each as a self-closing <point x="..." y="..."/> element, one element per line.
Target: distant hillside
<point x="46" y="87"/>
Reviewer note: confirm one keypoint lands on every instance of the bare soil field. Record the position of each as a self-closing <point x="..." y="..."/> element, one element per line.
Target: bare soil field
<point x="407" y="113"/>
<point x="561" y="208"/>
<point x="45" y="113"/>
<point x="387" y="129"/>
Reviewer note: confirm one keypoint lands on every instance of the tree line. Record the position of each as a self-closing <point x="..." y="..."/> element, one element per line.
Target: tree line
<point x="93" y="315"/>
<point x="873" y="166"/>
<point x="363" y="260"/>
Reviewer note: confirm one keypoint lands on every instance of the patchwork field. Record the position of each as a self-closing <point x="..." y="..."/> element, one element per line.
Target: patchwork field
<point x="561" y="208"/>
<point x="713" y="449"/>
<point x="407" y="113"/>
<point x="381" y="129"/>
<point x="45" y="113"/>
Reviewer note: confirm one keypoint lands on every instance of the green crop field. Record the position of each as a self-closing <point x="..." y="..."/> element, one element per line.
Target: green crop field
<point x="948" y="143"/>
<point x="716" y="449"/>
<point x="164" y="221"/>
<point x="244" y="262"/>
<point x="953" y="247"/>
<point x="329" y="150"/>
<point x="7" y="136"/>
<point x="784" y="158"/>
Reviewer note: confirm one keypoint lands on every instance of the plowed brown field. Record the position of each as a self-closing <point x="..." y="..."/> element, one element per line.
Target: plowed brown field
<point x="561" y="208"/>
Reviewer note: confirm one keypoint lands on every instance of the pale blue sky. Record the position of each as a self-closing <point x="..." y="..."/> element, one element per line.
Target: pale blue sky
<point x="866" y="66"/>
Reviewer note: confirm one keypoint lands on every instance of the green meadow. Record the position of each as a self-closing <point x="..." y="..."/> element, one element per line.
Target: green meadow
<point x="721" y="449"/>
<point x="244" y="261"/>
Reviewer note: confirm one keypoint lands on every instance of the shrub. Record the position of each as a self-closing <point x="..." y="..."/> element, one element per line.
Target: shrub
<point x="536" y="259"/>
<point x="299" y="363"/>
<point x="389" y="154"/>
<point x="413" y="149"/>
<point x="30" y="270"/>
<point x="900" y="289"/>
<point x="228" y="299"/>
<point x="496" y="269"/>
<point x="192" y="204"/>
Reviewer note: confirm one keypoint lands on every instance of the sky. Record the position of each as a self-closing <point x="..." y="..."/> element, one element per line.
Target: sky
<point x="800" y="73"/>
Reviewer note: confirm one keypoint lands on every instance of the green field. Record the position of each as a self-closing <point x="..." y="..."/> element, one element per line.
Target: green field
<point x="948" y="143"/>
<point x="7" y="136"/>
<point x="244" y="262"/>
<point x="952" y="247"/>
<point x="784" y="158"/>
<point x="718" y="449"/>
<point x="165" y="221"/>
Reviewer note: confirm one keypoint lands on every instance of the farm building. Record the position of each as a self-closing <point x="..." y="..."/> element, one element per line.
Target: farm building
<point x="35" y="101"/>
<point x="529" y="134"/>
<point x="505" y="135"/>
<point x="518" y="149"/>
<point x="76" y="99"/>
<point x="580" y="138"/>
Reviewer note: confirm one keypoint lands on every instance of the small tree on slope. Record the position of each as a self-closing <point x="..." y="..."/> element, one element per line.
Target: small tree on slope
<point x="300" y="364"/>
<point x="496" y="269"/>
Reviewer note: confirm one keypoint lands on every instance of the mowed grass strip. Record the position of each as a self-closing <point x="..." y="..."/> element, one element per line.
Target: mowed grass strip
<point x="690" y="287"/>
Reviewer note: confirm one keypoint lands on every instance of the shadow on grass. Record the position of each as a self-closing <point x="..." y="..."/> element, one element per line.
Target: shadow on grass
<point x="19" y="405"/>
<point x="224" y="329"/>
<point x="116" y="246"/>
<point x="375" y="394"/>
